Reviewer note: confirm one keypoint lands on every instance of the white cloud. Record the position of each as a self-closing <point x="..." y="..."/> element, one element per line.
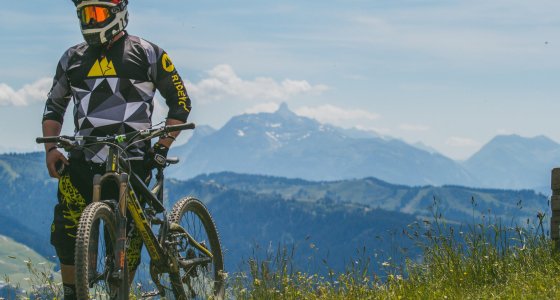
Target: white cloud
<point x="268" y="107"/>
<point x="461" y="142"/>
<point x="29" y="93"/>
<point x="328" y="113"/>
<point x="414" y="127"/>
<point x="224" y="83"/>
<point x="503" y="131"/>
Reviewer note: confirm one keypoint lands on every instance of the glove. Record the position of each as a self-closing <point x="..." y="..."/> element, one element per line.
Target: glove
<point x="156" y="156"/>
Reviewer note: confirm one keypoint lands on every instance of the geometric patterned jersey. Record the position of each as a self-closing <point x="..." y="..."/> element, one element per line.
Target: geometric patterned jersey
<point x="113" y="90"/>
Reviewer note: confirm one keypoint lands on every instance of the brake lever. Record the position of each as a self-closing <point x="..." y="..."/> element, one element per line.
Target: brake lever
<point x="67" y="144"/>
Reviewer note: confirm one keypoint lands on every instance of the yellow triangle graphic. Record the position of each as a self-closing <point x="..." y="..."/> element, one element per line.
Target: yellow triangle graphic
<point x="102" y="68"/>
<point x="95" y="70"/>
<point x="107" y="67"/>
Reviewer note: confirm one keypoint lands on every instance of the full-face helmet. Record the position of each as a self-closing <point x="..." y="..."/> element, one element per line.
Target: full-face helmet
<point x="101" y="20"/>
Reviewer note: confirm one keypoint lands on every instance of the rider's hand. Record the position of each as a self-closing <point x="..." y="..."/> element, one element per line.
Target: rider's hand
<point x="54" y="159"/>
<point x="156" y="156"/>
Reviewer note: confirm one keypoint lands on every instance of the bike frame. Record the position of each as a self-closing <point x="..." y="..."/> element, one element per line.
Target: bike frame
<point x="129" y="187"/>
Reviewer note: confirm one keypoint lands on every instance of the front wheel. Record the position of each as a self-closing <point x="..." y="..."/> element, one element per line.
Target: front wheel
<point x="201" y="280"/>
<point x="97" y="270"/>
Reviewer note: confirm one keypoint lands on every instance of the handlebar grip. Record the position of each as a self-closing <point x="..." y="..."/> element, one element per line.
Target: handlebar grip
<point x="179" y="127"/>
<point x="46" y="139"/>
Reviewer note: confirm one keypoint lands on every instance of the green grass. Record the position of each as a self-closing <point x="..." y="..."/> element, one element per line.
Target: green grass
<point x="26" y="269"/>
<point x="486" y="260"/>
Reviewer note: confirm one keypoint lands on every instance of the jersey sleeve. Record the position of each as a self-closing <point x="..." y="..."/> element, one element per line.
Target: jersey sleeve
<point x="60" y="94"/>
<point x="170" y="85"/>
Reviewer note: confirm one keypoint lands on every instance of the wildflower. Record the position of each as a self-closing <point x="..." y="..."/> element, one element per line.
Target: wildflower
<point x="385" y="264"/>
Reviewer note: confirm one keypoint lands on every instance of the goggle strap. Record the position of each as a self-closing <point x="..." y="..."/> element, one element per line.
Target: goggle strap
<point x="76" y="2"/>
<point x="120" y="7"/>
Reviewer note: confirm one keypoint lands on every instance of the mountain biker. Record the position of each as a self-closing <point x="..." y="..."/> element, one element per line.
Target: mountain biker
<point x="112" y="79"/>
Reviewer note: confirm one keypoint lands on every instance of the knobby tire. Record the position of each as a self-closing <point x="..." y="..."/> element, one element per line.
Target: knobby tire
<point x="208" y="281"/>
<point x="97" y="227"/>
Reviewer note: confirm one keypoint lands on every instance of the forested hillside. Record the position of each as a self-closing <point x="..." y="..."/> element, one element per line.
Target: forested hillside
<point x="328" y="220"/>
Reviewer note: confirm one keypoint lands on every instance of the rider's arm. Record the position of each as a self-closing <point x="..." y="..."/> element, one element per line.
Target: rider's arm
<point x="60" y="94"/>
<point x="51" y="128"/>
<point x="53" y="116"/>
<point x="167" y="141"/>
<point x="171" y="86"/>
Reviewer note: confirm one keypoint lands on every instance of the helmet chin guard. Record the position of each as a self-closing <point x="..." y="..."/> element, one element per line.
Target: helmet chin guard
<point x="100" y="30"/>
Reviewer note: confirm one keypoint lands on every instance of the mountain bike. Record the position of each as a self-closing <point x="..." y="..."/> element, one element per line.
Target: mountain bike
<point x="185" y="255"/>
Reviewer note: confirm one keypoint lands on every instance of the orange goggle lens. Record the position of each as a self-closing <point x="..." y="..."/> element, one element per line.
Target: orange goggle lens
<point x="97" y="14"/>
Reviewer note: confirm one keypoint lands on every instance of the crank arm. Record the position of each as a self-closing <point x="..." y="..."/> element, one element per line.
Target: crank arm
<point x="189" y="263"/>
<point x="178" y="228"/>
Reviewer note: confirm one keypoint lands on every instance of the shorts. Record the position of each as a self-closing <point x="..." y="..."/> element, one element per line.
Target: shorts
<point x="75" y="189"/>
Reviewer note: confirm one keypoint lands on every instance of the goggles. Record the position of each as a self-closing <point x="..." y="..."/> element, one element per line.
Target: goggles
<point x="94" y="14"/>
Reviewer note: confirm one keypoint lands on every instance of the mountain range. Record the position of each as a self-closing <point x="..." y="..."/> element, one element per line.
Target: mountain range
<point x="511" y="161"/>
<point x="255" y="214"/>
<point x="281" y="179"/>
<point x="287" y="145"/>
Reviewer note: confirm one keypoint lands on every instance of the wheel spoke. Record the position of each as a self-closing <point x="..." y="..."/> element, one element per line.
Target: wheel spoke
<point x="96" y="276"/>
<point x="199" y="274"/>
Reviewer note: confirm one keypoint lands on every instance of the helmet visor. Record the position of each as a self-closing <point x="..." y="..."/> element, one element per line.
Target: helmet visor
<point x="93" y="14"/>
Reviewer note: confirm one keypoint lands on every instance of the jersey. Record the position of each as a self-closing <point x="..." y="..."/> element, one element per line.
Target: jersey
<point x="113" y="90"/>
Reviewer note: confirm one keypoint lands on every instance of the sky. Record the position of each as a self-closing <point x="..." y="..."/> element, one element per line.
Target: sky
<point x="449" y="74"/>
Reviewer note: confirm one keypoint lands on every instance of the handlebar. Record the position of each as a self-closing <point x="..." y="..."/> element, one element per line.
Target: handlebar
<point x="178" y="127"/>
<point x="47" y="139"/>
<point x="146" y="133"/>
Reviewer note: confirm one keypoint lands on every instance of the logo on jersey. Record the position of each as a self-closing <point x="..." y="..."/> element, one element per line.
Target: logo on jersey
<point x="167" y="64"/>
<point x="102" y="68"/>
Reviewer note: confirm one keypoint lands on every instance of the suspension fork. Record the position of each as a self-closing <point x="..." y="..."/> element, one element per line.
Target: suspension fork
<point x="120" y="211"/>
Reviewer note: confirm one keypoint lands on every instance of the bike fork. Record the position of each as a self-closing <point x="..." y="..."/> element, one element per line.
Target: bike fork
<point x="121" y="222"/>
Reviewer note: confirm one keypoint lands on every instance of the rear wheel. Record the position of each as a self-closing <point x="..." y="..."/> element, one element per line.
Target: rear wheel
<point x="201" y="280"/>
<point x="96" y="256"/>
